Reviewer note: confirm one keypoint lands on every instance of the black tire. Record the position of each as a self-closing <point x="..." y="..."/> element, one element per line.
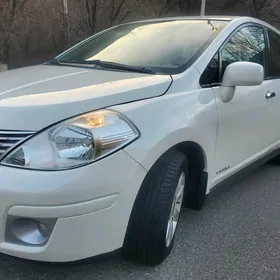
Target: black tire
<point x="146" y="233"/>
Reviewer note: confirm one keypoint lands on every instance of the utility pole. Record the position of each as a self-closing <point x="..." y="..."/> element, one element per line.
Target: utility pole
<point x="203" y="7"/>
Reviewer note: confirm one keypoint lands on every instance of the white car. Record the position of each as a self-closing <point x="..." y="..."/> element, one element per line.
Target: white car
<point x="101" y="146"/>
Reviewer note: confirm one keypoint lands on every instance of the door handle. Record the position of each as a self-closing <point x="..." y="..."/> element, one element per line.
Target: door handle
<point x="270" y="95"/>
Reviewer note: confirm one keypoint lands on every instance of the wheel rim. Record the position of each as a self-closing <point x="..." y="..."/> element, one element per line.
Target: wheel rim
<point x="175" y="210"/>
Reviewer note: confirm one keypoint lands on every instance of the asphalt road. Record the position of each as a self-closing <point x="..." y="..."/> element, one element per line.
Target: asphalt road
<point x="236" y="236"/>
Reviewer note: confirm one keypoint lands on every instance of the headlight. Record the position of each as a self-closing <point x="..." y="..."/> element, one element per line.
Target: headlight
<point x="75" y="142"/>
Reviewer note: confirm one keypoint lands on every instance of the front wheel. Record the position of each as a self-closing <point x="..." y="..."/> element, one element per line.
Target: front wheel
<point x="156" y="212"/>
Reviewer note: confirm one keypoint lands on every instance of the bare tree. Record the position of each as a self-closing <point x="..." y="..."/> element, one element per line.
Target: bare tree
<point x="95" y="15"/>
<point x="190" y="7"/>
<point x="31" y="31"/>
<point x="35" y="30"/>
<point x="161" y="8"/>
<point x="91" y="11"/>
<point x="265" y="9"/>
<point x="15" y="7"/>
<point x="268" y="10"/>
<point x="117" y="6"/>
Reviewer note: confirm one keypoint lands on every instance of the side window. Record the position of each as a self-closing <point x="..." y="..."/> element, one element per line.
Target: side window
<point x="211" y="73"/>
<point x="274" y="59"/>
<point x="248" y="44"/>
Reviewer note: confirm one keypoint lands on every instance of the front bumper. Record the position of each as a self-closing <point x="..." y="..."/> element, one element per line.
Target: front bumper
<point x="91" y="205"/>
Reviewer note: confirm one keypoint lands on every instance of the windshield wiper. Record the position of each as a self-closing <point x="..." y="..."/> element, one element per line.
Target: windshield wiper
<point x="109" y="65"/>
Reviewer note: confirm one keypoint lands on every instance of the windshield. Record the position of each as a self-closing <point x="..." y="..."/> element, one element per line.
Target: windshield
<point x="167" y="47"/>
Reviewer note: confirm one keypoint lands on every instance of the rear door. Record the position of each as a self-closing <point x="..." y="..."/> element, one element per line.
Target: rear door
<point x="273" y="82"/>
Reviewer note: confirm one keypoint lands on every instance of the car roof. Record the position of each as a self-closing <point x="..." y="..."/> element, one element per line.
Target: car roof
<point x="235" y="20"/>
<point x="222" y="18"/>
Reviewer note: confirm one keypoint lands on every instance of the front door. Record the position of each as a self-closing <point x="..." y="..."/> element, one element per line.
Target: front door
<point x="244" y="127"/>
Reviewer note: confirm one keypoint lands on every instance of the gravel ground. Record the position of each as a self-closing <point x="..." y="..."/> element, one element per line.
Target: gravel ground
<point x="236" y="236"/>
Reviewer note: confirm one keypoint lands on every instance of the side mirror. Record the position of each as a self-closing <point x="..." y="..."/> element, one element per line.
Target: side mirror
<point x="240" y="74"/>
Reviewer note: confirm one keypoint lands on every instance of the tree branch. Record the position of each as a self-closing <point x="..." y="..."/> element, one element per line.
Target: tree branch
<point x="116" y="13"/>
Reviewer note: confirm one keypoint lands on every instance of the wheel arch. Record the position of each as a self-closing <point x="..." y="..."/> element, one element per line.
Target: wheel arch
<point x="197" y="181"/>
<point x="197" y="172"/>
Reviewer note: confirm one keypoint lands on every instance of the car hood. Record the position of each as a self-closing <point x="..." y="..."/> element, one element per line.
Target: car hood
<point x="32" y="98"/>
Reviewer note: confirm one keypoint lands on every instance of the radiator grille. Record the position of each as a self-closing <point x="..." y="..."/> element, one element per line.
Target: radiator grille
<point x="9" y="138"/>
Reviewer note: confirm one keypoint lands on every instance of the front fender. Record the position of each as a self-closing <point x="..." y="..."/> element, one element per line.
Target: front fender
<point x="171" y="119"/>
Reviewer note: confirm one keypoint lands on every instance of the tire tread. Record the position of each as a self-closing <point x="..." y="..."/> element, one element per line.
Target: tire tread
<point x="144" y="238"/>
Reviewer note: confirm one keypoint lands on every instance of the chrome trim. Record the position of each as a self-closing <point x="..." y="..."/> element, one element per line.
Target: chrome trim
<point x="18" y="132"/>
<point x="9" y="139"/>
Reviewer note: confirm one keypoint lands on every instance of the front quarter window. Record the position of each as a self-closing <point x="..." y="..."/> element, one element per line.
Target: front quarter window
<point x="210" y="75"/>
